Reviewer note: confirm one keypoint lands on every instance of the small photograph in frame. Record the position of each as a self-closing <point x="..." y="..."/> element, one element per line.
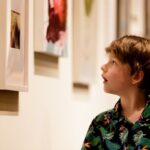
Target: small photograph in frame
<point x="15" y="30"/>
<point x="50" y="27"/>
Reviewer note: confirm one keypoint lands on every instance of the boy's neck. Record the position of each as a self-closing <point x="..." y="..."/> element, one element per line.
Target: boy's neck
<point x="133" y="105"/>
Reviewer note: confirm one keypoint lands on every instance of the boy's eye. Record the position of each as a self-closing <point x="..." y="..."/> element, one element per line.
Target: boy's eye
<point x="112" y="62"/>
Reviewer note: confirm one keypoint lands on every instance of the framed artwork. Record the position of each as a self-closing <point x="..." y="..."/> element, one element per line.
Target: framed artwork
<point x="50" y="27"/>
<point x="13" y="45"/>
<point x="85" y="18"/>
<point x="130" y="17"/>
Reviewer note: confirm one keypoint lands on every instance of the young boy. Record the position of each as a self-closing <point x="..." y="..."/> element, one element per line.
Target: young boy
<point x="126" y="74"/>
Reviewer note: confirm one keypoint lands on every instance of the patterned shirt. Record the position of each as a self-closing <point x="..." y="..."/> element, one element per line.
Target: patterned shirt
<point x="110" y="130"/>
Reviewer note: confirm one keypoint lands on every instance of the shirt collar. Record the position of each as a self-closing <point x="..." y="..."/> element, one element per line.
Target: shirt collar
<point x="146" y="112"/>
<point x="118" y="110"/>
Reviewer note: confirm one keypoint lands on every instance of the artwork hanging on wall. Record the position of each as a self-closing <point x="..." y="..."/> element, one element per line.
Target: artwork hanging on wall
<point x="130" y="17"/>
<point x="14" y="45"/>
<point x="50" y="27"/>
<point x="85" y="18"/>
<point x="147" y="21"/>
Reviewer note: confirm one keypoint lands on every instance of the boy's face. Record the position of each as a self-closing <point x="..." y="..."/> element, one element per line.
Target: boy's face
<point x="117" y="77"/>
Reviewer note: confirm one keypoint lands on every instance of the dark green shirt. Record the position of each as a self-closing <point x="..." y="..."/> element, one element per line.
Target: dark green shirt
<point x="110" y="130"/>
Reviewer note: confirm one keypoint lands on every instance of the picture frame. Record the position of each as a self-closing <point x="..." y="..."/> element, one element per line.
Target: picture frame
<point x="147" y="21"/>
<point x="130" y="17"/>
<point x="14" y="45"/>
<point x="50" y="27"/>
<point x="85" y="25"/>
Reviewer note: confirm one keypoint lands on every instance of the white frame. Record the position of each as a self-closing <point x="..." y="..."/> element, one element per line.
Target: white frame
<point x="147" y="19"/>
<point x="84" y="42"/>
<point x="13" y="61"/>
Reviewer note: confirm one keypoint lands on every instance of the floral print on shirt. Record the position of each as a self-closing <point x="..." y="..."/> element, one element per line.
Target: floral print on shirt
<point x="110" y="130"/>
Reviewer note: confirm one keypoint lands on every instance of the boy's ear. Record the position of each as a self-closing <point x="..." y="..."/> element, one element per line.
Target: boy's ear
<point x="137" y="77"/>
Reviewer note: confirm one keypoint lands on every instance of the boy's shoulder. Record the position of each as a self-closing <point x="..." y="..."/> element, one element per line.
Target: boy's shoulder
<point x="109" y="116"/>
<point x="106" y="115"/>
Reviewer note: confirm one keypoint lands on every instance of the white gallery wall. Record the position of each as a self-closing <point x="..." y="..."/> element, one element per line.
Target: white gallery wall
<point x="51" y="116"/>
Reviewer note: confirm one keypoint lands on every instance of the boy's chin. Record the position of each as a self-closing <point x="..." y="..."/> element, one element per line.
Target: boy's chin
<point x="106" y="90"/>
<point x="109" y="91"/>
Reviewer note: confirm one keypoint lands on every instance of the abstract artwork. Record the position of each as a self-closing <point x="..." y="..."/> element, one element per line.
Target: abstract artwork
<point x="51" y="25"/>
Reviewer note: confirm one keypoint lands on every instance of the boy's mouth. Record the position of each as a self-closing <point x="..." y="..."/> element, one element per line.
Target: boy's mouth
<point x="104" y="79"/>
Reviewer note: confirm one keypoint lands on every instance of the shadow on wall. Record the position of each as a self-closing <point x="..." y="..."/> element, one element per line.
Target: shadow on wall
<point x="9" y="102"/>
<point x="46" y="65"/>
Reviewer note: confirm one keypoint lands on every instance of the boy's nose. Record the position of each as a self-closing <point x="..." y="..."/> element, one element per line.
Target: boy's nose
<point x="103" y="67"/>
